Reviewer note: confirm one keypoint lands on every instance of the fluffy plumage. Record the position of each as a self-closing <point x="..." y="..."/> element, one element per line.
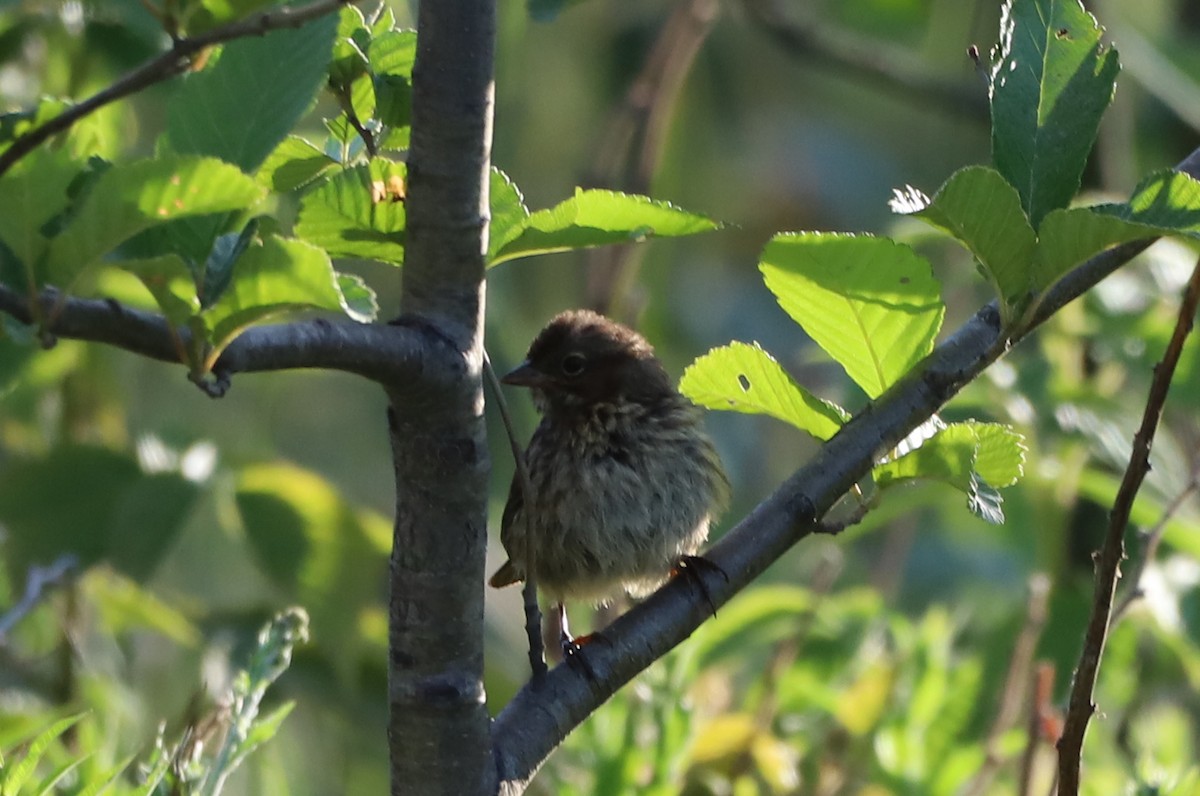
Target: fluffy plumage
<point x="625" y="478"/>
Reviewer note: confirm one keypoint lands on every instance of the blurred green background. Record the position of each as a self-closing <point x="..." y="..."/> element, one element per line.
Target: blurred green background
<point x="876" y="662"/>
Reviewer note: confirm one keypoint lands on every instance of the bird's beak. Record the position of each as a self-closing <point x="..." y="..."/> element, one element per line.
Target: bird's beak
<point x="525" y="375"/>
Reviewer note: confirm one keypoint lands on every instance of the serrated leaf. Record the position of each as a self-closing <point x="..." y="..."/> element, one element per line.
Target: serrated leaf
<point x="1000" y="456"/>
<point x="985" y="502"/>
<point x="871" y="303"/>
<point x="1166" y="203"/>
<point x="274" y="275"/>
<point x="973" y="457"/>
<point x="744" y="378"/>
<point x="393" y="53"/>
<point x="293" y="164"/>
<point x="508" y="213"/>
<point x="596" y="218"/>
<point x="1051" y="82"/>
<point x="349" y="59"/>
<point x="18" y="773"/>
<point x="358" y="213"/>
<point x="980" y="209"/>
<point x="129" y="198"/>
<point x="358" y="299"/>
<point x="170" y="283"/>
<point x="265" y="83"/>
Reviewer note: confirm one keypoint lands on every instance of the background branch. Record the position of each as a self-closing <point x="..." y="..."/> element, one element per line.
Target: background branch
<point x="165" y="66"/>
<point x="872" y="60"/>
<point x="537" y="720"/>
<point x="1080" y="707"/>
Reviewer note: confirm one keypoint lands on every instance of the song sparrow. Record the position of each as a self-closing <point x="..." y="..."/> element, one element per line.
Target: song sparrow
<point x="625" y="479"/>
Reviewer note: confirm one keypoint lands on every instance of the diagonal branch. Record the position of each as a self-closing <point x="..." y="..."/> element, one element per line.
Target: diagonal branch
<point x="384" y="353"/>
<point x="165" y="66"/>
<point x="1112" y="553"/>
<point x="536" y="721"/>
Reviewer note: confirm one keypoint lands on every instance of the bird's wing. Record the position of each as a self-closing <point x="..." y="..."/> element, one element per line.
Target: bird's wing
<point x="512" y="534"/>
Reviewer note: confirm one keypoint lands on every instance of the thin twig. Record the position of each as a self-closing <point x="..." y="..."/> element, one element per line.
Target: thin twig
<point x="165" y="66"/>
<point x="38" y="584"/>
<point x="533" y="615"/>
<point x="1016" y="684"/>
<point x="1080" y="707"/>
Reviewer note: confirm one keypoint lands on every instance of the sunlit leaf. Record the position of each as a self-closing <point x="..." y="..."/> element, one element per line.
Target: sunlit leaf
<point x="979" y="208"/>
<point x="1051" y="82"/>
<point x="293" y="164"/>
<point x="131" y="197"/>
<point x="870" y="303"/>
<point x="744" y="378"/>
<point x="273" y="276"/>
<point x="358" y="213"/>
<point x="597" y="218"/>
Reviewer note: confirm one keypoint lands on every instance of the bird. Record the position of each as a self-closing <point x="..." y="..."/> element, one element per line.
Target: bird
<point x="626" y="482"/>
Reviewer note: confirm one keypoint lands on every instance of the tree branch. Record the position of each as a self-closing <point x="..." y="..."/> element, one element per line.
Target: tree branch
<point x="536" y="721"/>
<point x="385" y="353"/>
<point x="165" y="66"/>
<point x="1112" y="553"/>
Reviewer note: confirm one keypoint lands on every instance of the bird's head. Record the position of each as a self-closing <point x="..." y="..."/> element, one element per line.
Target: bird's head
<point x="582" y="358"/>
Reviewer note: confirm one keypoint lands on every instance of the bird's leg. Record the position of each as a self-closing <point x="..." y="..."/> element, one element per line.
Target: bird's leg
<point x="572" y="647"/>
<point x="690" y="567"/>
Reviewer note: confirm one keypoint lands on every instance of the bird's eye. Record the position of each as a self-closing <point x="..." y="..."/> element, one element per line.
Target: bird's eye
<point x="572" y="364"/>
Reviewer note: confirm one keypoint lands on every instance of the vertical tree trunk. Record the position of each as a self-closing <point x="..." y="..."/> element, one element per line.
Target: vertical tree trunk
<point x="438" y="725"/>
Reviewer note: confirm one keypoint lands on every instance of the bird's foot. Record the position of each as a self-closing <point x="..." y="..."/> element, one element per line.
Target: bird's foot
<point x="573" y="651"/>
<point x="693" y="568"/>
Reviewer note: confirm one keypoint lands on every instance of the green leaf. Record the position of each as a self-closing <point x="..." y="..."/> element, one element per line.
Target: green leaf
<point x="98" y="786"/>
<point x="218" y="267"/>
<point x="358" y="299"/>
<point x="358" y="213"/>
<point x="1051" y="82"/>
<point x="871" y="303"/>
<point x="293" y="164"/>
<point x="46" y="786"/>
<point x="509" y="213"/>
<point x="976" y="458"/>
<point x="31" y="193"/>
<point x="242" y="106"/>
<point x="393" y="53"/>
<point x="170" y="283"/>
<point x="744" y="378"/>
<point x="318" y="549"/>
<point x="17" y="774"/>
<point x="264" y="729"/>
<point x="980" y="209"/>
<point x="1166" y="203"/>
<point x="596" y="218"/>
<point x="273" y="276"/>
<point x="349" y="59"/>
<point x="131" y="197"/>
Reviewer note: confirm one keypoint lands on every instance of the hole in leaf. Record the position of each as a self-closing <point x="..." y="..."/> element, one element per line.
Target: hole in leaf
<point x="1063" y="33"/>
<point x="745" y="382"/>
